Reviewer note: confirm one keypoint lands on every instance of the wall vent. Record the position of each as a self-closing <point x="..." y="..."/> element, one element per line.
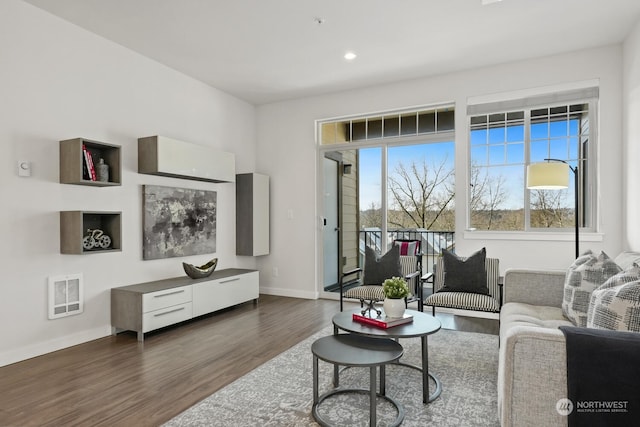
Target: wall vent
<point x="65" y="295"/>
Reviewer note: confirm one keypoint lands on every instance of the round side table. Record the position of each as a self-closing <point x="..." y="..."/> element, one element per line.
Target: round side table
<point x="356" y="350"/>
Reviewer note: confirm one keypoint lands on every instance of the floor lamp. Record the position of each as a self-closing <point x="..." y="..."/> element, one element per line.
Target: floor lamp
<point x="553" y="175"/>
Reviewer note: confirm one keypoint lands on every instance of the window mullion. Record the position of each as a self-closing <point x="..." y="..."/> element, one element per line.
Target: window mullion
<point x="527" y="161"/>
<point x="383" y="198"/>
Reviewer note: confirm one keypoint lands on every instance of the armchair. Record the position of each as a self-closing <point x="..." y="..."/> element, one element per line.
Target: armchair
<point x="490" y="302"/>
<point x="404" y="259"/>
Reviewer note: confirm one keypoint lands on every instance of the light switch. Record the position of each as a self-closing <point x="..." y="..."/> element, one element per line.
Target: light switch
<point x="24" y="168"/>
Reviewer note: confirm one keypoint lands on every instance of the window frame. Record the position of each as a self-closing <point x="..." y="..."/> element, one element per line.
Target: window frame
<point x="590" y="214"/>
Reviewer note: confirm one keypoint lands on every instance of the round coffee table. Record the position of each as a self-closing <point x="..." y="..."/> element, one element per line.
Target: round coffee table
<point x="361" y="351"/>
<point x="422" y="326"/>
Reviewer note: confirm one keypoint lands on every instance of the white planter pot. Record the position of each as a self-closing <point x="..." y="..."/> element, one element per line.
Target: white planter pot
<point x="393" y="307"/>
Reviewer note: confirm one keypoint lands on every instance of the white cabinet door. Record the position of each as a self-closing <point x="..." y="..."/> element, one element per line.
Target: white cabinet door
<point x="222" y="293"/>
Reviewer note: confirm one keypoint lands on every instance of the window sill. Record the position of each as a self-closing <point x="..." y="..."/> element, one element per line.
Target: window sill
<point x="551" y="236"/>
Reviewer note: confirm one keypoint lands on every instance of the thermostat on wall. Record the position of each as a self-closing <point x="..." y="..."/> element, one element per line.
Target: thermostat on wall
<point x="24" y="168"/>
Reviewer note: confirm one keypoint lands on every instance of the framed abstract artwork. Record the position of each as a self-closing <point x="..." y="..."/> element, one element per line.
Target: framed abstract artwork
<point x="178" y="222"/>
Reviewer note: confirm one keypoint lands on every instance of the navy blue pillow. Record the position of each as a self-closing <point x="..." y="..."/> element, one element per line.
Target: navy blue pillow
<point x="377" y="268"/>
<point x="465" y="274"/>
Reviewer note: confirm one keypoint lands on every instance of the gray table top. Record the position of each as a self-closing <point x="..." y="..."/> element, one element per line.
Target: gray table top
<point x="423" y="324"/>
<point x="348" y="350"/>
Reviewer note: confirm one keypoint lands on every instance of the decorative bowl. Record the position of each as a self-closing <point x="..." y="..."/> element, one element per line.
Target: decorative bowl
<point x="204" y="270"/>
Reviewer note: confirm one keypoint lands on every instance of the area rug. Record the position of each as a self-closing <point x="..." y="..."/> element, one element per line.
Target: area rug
<point x="279" y="392"/>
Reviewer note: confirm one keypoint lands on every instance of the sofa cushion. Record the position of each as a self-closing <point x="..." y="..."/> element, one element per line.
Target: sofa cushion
<point x="616" y="304"/>
<point x="465" y="274"/>
<point x="521" y="314"/>
<point x="586" y="273"/>
<point x="626" y="259"/>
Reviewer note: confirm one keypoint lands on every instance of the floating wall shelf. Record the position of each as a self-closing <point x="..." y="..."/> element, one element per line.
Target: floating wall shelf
<point x="252" y="214"/>
<point x="159" y="155"/>
<point x="72" y="161"/>
<point x="74" y="226"/>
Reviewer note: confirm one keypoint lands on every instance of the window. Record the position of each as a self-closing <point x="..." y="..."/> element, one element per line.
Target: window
<point x="388" y="125"/>
<point x="385" y="176"/>
<point x="506" y="137"/>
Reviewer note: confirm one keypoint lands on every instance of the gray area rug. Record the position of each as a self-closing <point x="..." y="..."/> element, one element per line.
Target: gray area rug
<point x="279" y="392"/>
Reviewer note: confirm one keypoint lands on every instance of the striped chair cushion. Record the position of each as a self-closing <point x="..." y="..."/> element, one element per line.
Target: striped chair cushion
<point x="466" y="300"/>
<point x="365" y="292"/>
<point x="408" y="264"/>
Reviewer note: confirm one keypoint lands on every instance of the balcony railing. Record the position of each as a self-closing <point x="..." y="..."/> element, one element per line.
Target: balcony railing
<point x="432" y="242"/>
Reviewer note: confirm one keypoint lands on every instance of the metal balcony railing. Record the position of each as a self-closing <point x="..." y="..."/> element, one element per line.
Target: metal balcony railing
<point x="432" y="242"/>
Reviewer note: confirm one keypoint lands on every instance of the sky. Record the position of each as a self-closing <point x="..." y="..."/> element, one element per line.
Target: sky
<point x="501" y="150"/>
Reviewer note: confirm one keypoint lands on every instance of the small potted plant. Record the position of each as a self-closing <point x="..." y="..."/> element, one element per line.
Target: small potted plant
<point x="395" y="291"/>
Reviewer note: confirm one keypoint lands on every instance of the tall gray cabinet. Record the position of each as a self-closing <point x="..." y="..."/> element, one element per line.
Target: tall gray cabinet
<point x="252" y="214"/>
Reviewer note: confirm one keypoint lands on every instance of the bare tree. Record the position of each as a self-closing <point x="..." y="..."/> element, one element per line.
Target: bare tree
<point x="547" y="209"/>
<point x="421" y="194"/>
<point x="372" y="217"/>
<point x="487" y="196"/>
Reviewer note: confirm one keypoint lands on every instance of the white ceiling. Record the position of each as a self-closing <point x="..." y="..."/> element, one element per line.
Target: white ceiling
<point x="270" y="50"/>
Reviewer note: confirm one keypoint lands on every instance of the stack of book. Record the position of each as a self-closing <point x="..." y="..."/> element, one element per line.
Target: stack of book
<point x="382" y="321"/>
<point x="88" y="168"/>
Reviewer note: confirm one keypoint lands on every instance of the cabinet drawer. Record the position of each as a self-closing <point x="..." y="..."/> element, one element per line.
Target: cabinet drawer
<point x="166" y="316"/>
<point x="222" y="293"/>
<point x="166" y="298"/>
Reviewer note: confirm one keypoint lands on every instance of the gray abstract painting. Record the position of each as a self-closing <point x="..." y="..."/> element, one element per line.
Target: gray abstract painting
<point x="178" y="222"/>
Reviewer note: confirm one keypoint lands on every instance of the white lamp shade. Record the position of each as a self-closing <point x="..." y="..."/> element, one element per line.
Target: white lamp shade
<point x="548" y="176"/>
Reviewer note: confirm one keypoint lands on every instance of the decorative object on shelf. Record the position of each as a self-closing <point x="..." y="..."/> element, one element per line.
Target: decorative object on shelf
<point x="204" y="270"/>
<point x="95" y="239"/>
<point x="395" y="291"/>
<point x="102" y="171"/>
<point x="178" y="222"/>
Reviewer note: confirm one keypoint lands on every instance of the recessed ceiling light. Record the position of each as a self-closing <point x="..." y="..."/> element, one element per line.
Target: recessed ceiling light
<point x="350" y="56"/>
<point x="486" y="2"/>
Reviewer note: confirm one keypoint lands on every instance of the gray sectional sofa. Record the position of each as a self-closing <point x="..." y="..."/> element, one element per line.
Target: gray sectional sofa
<point x="532" y="373"/>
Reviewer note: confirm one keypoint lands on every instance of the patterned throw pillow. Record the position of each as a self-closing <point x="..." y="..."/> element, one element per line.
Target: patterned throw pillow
<point x="585" y="274"/>
<point x="616" y="304"/>
<point x="407" y="248"/>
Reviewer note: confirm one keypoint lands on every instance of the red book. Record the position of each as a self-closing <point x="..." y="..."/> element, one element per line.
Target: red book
<point x="383" y="321"/>
<point x="92" y="169"/>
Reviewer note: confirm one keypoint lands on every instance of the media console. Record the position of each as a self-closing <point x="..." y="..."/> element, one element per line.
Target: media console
<point x="144" y="307"/>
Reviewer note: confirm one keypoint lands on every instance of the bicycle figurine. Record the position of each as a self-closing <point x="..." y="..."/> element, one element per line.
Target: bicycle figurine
<point x="96" y="239"/>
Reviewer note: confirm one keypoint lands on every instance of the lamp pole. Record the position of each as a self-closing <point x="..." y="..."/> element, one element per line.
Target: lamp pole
<point x="577" y="199"/>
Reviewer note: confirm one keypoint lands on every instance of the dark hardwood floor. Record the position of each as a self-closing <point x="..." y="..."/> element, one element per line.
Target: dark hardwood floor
<point x="117" y="381"/>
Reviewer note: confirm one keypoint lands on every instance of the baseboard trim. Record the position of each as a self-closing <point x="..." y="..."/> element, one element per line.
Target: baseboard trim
<point x="285" y="292"/>
<point x="41" y="348"/>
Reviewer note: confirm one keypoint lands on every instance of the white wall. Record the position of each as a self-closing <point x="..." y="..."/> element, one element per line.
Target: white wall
<point x="631" y="70"/>
<point x="286" y="152"/>
<point x="58" y="81"/>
